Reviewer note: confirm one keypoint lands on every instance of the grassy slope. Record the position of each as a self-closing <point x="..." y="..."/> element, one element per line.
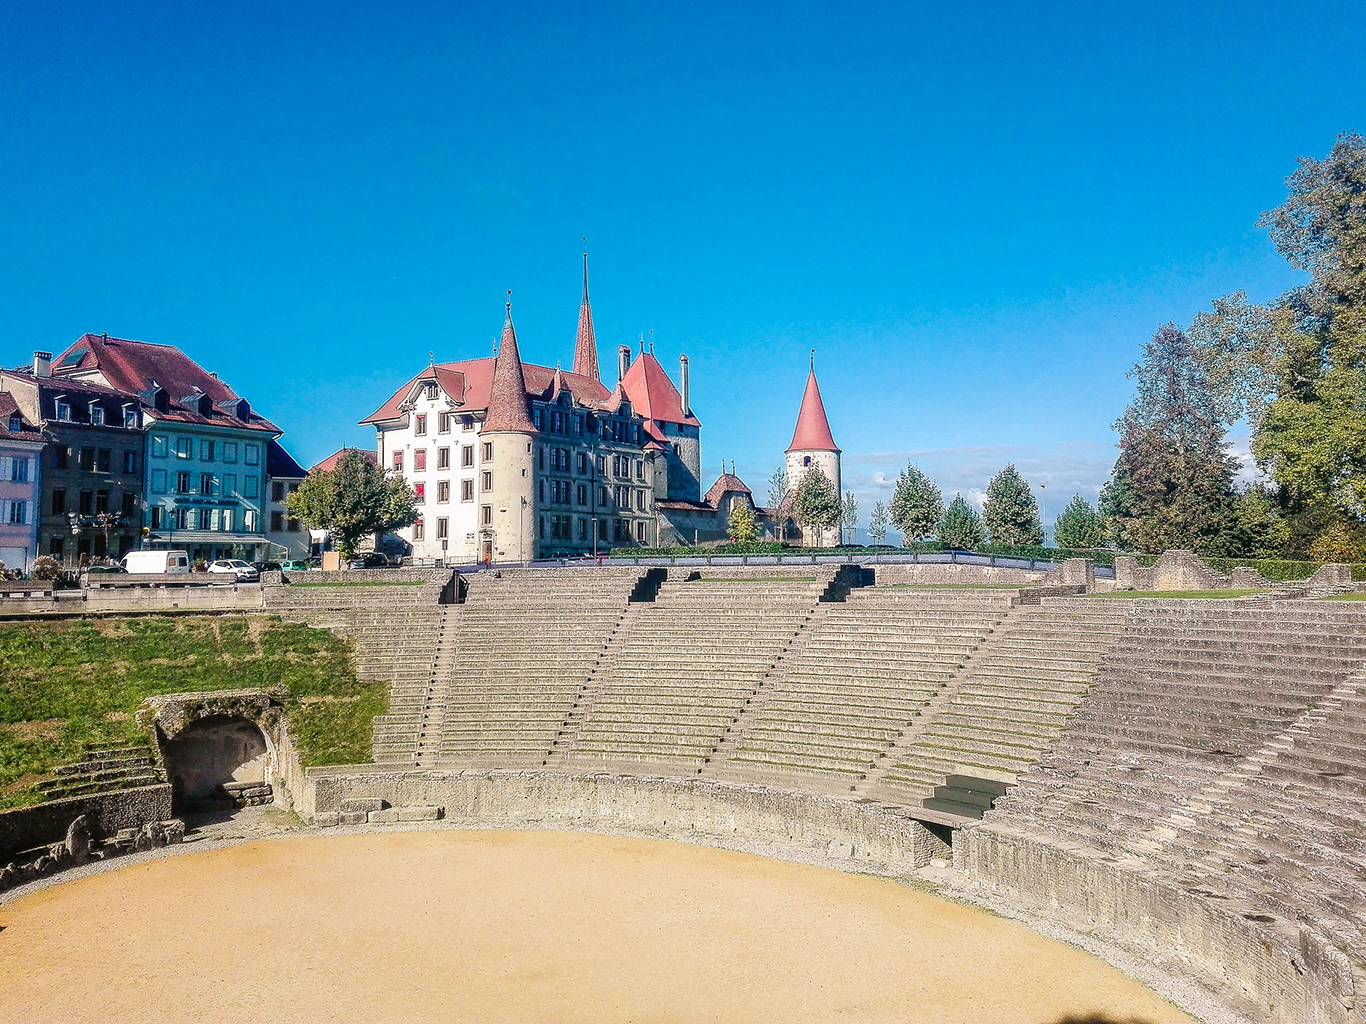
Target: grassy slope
<point x="68" y="685"/>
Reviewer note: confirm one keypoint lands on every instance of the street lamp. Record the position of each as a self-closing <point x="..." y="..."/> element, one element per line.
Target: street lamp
<point x="521" y="536"/>
<point x="1043" y="515"/>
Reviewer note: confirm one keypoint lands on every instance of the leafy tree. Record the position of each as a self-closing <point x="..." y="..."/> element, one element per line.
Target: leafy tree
<point x="1010" y="512"/>
<point x="777" y="487"/>
<point x="961" y="526"/>
<point x="1340" y="542"/>
<point x="743" y="526"/>
<point x="1079" y="525"/>
<point x="45" y="568"/>
<point x="917" y="505"/>
<point x="352" y="501"/>
<point x="1263" y="529"/>
<point x="1296" y="367"/>
<point x="849" y="516"/>
<point x="1172" y="485"/>
<point x="877" y="523"/>
<point x="816" y="505"/>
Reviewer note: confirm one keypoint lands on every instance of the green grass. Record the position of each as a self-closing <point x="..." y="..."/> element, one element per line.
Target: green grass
<point x="958" y="586"/>
<point x="755" y="579"/>
<point x="66" y="686"/>
<point x="363" y="583"/>
<point x="1178" y="593"/>
<point x="1344" y="597"/>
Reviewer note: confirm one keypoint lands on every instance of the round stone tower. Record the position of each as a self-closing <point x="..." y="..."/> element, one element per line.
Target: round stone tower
<point x="814" y="446"/>
<point x="507" y="442"/>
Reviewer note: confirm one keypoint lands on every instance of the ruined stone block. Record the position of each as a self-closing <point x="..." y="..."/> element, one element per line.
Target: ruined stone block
<point x="326" y="819"/>
<point x="351" y="817"/>
<point x="419" y="813"/>
<point x="383" y="817"/>
<point x="364" y="804"/>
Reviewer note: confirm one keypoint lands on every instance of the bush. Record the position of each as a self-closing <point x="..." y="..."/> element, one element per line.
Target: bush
<point x="1277" y="570"/>
<point x="46" y="569"/>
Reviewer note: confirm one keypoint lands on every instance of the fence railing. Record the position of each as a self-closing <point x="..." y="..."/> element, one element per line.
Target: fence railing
<point x="881" y="558"/>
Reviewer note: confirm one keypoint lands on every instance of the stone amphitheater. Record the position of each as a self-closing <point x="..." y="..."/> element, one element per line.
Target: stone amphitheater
<point x="1177" y="784"/>
<point x="1178" y="779"/>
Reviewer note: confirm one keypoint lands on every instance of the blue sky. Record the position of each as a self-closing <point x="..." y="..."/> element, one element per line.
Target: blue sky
<point x="976" y="214"/>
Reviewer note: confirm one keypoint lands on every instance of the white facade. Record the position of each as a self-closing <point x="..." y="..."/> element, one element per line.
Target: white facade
<point x="19" y="497"/>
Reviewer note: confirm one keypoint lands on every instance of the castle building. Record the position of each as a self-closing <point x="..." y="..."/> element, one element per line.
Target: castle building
<point x="813" y="446"/>
<point x="512" y="461"/>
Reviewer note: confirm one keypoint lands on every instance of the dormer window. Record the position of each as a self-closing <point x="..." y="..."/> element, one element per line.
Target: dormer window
<point x="431" y="392"/>
<point x="64" y="410"/>
<point x="130" y="416"/>
<point x="96" y="414"/>
<point x="15" y="423"/>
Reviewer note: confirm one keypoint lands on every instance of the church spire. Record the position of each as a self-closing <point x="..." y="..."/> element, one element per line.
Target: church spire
<point x="813" y="429"/>
<point x="507" y="397"/>
<point x="586" y="347"/>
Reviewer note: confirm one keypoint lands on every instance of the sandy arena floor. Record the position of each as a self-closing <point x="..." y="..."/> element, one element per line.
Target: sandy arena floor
<point x="527" y="926"/>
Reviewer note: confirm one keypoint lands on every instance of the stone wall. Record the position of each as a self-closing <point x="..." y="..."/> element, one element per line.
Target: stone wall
<point x="890" y="575"/>
<point x="344" y="576"/>
<point x="1266" y="972"/>
<point x="27" y="827"/>
<point x="813" y="828"/>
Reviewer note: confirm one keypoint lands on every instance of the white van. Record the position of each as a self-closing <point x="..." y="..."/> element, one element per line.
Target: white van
<point x="157" y="561"/>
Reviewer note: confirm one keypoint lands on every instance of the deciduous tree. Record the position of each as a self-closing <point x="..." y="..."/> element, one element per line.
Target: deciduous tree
<point x="353" y="500"/>
<point x="1079" y="525"/>
<point x="1010" y="513"/>
<point x="849" y="515"/>
<point x="917" y="505"/>
<point x="816" y="505"/>
<point x="877" y="523"/>
<point x="961" y="526"/>
<point x="743" y="527"/>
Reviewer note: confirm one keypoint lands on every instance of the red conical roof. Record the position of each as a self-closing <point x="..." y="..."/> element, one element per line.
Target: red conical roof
<point x="507" y="397"/>
<point x="586" y="348"/>
<point x="813" y="429"/>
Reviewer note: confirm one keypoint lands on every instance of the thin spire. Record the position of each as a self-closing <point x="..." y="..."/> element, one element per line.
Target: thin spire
<point x="586" y="345"/>
<point x="507" y="398"/>
<point x="813" y="360"/>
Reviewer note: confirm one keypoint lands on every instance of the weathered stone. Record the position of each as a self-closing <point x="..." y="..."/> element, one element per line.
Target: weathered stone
<point x="351" y="818"/>
<point x="365" y="804"/>
<point x="419" y="813"/>
<point x="78" y="839"/>
<point x="383" y="817"/>
<point x="326" y="819"/>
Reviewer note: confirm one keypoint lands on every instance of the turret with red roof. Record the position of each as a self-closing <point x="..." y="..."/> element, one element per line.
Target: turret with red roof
<point x="813" y="447"/>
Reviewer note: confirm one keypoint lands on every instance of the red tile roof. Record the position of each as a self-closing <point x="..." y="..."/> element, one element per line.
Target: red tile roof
<point x="330" y="463"/>
<point x="652" y="393"/>
<point x="586" y="346"/>
<point x="813" y="429"/>
<point x="26" y="431"/>
<point x="139" y="366"/>
<point x="507" y="409"/>
<point x="725" y="482"/>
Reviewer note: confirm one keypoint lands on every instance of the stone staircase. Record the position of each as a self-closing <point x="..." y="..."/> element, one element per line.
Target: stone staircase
<point x="102" y="770"/>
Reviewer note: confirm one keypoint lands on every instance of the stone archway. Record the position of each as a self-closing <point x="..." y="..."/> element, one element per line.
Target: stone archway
<point x="218" y="759"/>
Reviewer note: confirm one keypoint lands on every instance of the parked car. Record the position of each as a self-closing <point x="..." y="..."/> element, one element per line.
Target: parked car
<point x="242" y="572"/>
<point x="267" y="566"/>
<point x="369" y="560"/>
<point x="296" y="565"/>
<point x="106" y="568"/>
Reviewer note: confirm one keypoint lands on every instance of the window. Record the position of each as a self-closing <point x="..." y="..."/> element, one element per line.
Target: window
<point x="432" y="392"/>
<point x="229" y="484"/>
<point x="182" y="483"/>
<point x="251" y="487"/>
<point x="443" y="490"/>
<point x="602" y="495"/>
<point x="443" y="423"/>
<point x="19" y="470"/>
<point x="442" y="529"/>
<point x="602" y="465"/>
<point x="640" y="530"/>
<point x="583" y="462"/>
<point x="130" y="503"/>
<point x="419" y="459"/>
<point x="398" y="462"/>
<point x="277" y="522"/>
<point x="203" y="518"/>
<point x="158" y="481"/>
<point x="101" y="501"/>
<point x="488" y="451"/>
<point x="420" y="493"/>
<point x="623" y="497"/>
<point x="180" y="519"/>
<point x="64" y="410"/>
<point x="277" y="490"/>
<point x="130" y="462"/>
<point x="87" y="459"/>
<point x="583" y="494"/>
<point x="578" y="426"/>
<point x="420" y="424"/>
<point x="640" y="469"/>
<point x="419" y="530"/>
<point x="536" y="418"/>
<point x="207" y="484"/>
<point x="158" y="446"/>
<point x="443" y="458"/>
<point x="583" y="529"/>
<point x="97" y="415"/>
<point x="156" y="517"/>
<point x="540" y="458"/>
<point x="466" y="422"/>
<point x="486" y="515"/>
<point x="130" y="417"/>
<point x="85" y="503"/>
<point x="541" y="527"/>
<point x="467" y="455"/>
<point x="294" y="525"/>
<point x="541" y="492"/>
<point x="59" y="501"/>
<point x="486" y="481"/>
<point x="60" y="454"/>
<point x="466" y="490"/>
<point x="182" y="447"/>
<point x="104" y="459"/>
<point x="229" y="451"/>
<point x="640" y="501"/>
<point x="251" y="521"/>
<point x="253" y="453"/>
<point x="206" y="451"/>
<point x="17" y="511"/>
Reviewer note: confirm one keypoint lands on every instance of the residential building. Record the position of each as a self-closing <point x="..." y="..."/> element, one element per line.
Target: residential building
<point x="21" y="448"/>
<point x="285" y="534"/>
<point x="205" y="473"/>
<point x="91" y="476"/>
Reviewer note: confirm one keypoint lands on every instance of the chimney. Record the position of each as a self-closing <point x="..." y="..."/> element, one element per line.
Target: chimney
<point x="683" y="380"/>
<point x="42" y="364"/>
<point x="623" y="360"/>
